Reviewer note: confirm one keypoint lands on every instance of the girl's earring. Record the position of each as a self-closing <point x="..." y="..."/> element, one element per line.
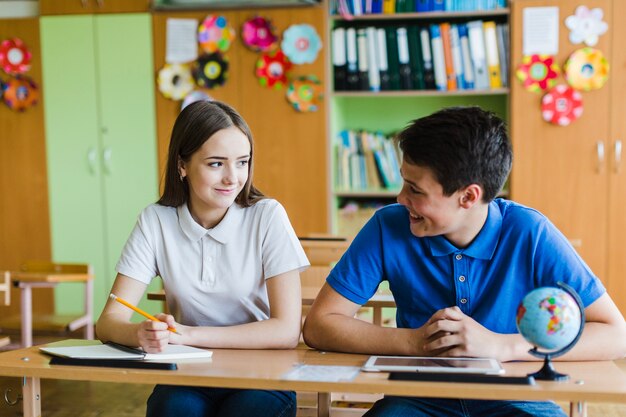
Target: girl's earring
<point x="181" y="178"/>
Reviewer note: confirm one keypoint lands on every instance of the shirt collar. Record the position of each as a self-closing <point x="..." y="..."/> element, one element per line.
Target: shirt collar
<point x="224" y="229"/>
<point x="483" y="246"/>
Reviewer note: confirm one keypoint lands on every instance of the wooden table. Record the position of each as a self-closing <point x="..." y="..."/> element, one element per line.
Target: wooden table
<point x="377" y="302"/>
<point x="263" y="369"/>
<point x="26" y="281"/>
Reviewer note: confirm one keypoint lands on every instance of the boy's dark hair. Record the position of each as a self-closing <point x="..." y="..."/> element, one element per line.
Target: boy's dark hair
<point x="194" y="126"/>
<point x="462" y="146"/>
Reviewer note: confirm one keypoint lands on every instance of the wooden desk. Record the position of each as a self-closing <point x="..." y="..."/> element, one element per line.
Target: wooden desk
<point x="262" y="369"/>
<point x="26" y="281"/>
<point x="377" y="302"/>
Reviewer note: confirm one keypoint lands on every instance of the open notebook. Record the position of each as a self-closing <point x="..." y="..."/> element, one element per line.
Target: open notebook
<point x="115" y="351"/>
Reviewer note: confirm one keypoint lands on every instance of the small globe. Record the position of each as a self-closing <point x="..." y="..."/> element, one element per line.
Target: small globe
<point x="549" y="318"/>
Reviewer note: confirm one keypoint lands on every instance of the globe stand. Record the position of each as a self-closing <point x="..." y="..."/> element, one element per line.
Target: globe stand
<point x="547" y="372"/>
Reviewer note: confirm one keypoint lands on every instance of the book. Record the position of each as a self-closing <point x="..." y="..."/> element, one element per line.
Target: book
<point x="393" y="62"/>
<point x="115" y="351"/>
<point x="415" y="57"/>
<point x="381" y="54"/>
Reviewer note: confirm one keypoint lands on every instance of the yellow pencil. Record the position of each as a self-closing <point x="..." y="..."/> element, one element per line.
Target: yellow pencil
<point x="138" y="310"/>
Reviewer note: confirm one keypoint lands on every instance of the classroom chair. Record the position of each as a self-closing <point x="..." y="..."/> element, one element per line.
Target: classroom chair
<point x="45" y="274"/>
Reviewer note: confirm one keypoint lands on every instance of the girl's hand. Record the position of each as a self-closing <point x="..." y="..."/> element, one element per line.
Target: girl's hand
<point x="154" y="336"/>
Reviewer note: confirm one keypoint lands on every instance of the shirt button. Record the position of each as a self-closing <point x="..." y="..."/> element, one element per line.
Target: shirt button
<point x="459" y="257"/>
<point x="463" y="300"/>
<point x="462" y="278"/>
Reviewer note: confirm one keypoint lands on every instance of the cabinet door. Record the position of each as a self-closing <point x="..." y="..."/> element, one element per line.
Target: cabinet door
<point x="560" y="170"/>
<point x="55" y="7"/>
<point x="74" y="180"/>
<point x="58" y="7"/>
<point x="617" y="194"/>
<point x="127" y="125"/>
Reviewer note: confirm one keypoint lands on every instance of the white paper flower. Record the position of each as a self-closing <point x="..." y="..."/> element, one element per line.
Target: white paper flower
<point x="586" y="25"/>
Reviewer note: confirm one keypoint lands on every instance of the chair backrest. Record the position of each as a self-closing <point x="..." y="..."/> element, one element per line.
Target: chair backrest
<point x="46" y="266"/>
<point x="323" y="253"/>
<point x="5" y="288"/>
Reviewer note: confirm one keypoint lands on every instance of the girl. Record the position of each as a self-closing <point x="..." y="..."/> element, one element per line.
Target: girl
<point x="229" y="260"/>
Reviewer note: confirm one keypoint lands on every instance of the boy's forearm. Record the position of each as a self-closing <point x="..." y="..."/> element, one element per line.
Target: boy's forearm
<point x="346" y="334"/>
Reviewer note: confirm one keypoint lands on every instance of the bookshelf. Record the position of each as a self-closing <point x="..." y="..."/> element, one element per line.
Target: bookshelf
<point x="388" y="111"/>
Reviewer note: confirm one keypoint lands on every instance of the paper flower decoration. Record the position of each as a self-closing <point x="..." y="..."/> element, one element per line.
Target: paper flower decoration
<point x="20" y="93"/>
<point x="586" y="69"/>
<point x="194" y="96"/>
<point x="258" y="34"/>
<point x="305" y="93"/>
<point x="561" y="105"/>
<point x="301" y="44"/>
<point x="214" y="34"/>
<point x="14" y="56"/>
<point x="586" y="25"/>
<point x="272" y="69"/>
<point x="210" y="70"/>
<point x="538" y="72"/>
<point x="175" y="81"/>
<point x="2" y="88"/>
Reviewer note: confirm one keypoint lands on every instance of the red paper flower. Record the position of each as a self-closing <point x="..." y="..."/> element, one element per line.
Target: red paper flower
<point x="14" y="56"/>
<point x="538" y="72"/>
<point x="272" y="69"/>
<point x="561" y="105"/>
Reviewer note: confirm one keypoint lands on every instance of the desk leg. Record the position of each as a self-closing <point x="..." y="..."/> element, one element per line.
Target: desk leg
<point x="31" y="395"/>
<point x="578" y="409"/>
<point x="323" y="404"/>
<point x="27" y="314"/>
<point x="89" y="334"/>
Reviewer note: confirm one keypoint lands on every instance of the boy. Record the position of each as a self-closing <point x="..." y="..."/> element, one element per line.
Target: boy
<point x="458" y="263"/>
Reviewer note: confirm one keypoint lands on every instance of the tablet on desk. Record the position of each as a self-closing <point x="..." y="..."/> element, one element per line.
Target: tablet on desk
<point x="486" y="366"/>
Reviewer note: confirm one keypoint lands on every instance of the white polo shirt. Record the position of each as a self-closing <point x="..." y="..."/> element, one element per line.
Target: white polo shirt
<point x="213" y="277"/>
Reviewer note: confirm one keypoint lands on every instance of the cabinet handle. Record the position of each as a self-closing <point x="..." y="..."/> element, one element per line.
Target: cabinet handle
<point x="600" y="152"/>
<point x="83" y="3"/>
<point x="107" y="153"/>
<point x="618" y="155"/>
<point x="91" y="160"/>
<point x="100" y="3"/>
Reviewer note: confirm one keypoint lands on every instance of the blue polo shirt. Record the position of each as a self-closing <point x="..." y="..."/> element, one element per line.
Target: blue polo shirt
<point x="517" y="250"/>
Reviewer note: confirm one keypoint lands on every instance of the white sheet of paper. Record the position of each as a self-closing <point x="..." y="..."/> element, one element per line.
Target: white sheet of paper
<point x="181" y="41"/>
<point x="540" y="30"/>
<point x="321" y="373"/>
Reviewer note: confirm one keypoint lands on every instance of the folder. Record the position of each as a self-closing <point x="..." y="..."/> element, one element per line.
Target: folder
<point x="457" y="59"/>
<point x="406" y="81"/>
<point x="352" y="76"/>
<point x="491" y="48"/>
<point x="381" y="54"/>
<point x="363" y="60"/>
<point x="439" y="61"/>
<point x="447" y="55"/>
<point x="427" y="59"/>
<point x="415" y="57"/>
<point x="340" y="65"/>
<point x="468" y="68"/>
<point x="503" y="42"/>
<point x="392" y="58"/>
<point x="373" y="74"/>
<point x="477" y="51"/>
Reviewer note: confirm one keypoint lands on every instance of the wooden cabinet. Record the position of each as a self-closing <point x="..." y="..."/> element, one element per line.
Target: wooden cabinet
<point x="290" y="147"/>
<point x="573" y="174"/>
<point x="61" y="7"/>
<point x="24" y="226"/>
<point x="101" y="139"/>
